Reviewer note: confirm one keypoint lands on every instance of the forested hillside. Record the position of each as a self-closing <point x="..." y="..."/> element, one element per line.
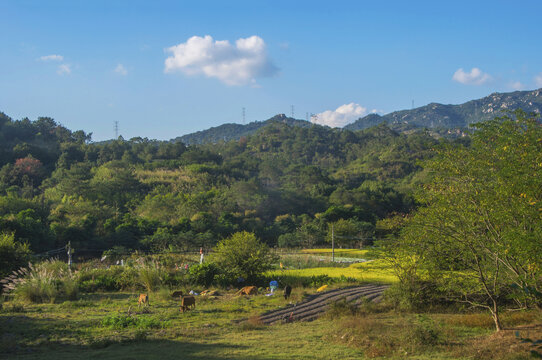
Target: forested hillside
<point x="285" y="183"/>
<point x="227" y="132"/>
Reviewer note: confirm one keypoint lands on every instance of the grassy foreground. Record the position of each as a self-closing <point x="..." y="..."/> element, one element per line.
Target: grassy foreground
<point x="111" y="326"/>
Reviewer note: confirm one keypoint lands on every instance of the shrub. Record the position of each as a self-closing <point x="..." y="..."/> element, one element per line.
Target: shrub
<point x="341" y="308"/>
<point x="414" y="295"/>
<point x="101" y="279"/>
<point x="203" y="274"/>
<point x="424" y="333"/>
<point x="244" y="256"/>
<point x="70" y="288"/>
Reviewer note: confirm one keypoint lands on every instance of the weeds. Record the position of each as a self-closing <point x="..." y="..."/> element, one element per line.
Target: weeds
<point x="149" y="276"/>
<point x="342" y="308"/>
<point x="121" y="321"/>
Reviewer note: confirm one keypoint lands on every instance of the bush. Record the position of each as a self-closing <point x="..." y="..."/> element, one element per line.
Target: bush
<point x="414" y="295"/>
<point x="244" y="256"/>
<point x="70" y="289"/>
<point x="341" y="308"/>
<point x="424" y="333"/>
<point x="101" y="279"/>
<point x="203" y="274"/>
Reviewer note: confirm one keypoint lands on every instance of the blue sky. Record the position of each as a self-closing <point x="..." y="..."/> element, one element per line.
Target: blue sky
<point x="166" y="68"/>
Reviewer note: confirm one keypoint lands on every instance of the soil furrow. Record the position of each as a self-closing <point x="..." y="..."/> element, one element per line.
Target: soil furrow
<point x="317" y="304"/>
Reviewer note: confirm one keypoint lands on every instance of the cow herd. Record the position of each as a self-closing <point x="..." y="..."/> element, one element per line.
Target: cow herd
<point x="189" y="301"/>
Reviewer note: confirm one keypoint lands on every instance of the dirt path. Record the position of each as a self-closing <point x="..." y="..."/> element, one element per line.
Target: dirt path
<point x="317" y="304"/>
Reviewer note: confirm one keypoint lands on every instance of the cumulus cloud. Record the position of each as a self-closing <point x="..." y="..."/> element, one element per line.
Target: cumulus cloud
<point x="233" y="64"/>
<point x="538" y="80"/>
<point x="52" y="58"/>
<point x="121" y="70"/>
<point x="64" y="69"/>
<point x="474" y="77"/>
<point x="341" y="116"/>
<point x="517" y="85"/>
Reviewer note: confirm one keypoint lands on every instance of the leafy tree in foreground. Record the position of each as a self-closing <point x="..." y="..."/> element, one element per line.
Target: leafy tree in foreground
<point x="243" y="255"/>
<point x="480" y="229"/>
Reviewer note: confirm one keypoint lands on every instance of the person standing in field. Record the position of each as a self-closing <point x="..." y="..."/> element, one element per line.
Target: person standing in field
<point x="201" y="255"/>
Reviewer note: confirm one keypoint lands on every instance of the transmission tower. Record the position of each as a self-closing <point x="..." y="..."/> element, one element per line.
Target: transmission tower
<point x="116" y="129"/>
<point x="307" y="116"/>
<point x="292" y="108"/>
<point x="244" y="116"/>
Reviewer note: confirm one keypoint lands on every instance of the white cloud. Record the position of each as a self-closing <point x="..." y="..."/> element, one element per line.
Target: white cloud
<point x="52" y="58"/>
<point x="341" y="116"/>
<point x="538" y="80"/>
<point x="120" y="69"/>
<point x="517" y="85"/>
<point x="474" y="77"/>
<point x="64" y="69"/>
<point x="238" y="64"/>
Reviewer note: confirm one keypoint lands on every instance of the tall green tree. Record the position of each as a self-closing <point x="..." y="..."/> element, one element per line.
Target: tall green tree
<point x="481" y="224"/>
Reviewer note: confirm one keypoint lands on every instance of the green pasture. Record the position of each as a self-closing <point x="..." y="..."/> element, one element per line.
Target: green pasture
<point x="97" y="327"/>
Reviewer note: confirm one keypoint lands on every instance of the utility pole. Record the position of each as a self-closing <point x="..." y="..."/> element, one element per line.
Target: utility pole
<point x="69" y="250"/>
<point x="332" y="243"/>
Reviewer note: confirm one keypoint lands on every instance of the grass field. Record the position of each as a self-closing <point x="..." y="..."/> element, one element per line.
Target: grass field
<point x="110" y="325"/>
<point x="84" y="329"/>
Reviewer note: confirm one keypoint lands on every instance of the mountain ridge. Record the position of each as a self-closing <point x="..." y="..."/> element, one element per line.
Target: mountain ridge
<point x="435" y="116"/>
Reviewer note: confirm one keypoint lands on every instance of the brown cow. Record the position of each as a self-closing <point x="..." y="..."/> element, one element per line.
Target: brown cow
<point x="248" y="290"/>
<point x="187" y="302"/>
<point x="176" y="294"/>
<point x="143" y="299"/>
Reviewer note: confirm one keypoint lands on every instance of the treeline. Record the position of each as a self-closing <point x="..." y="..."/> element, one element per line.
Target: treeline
<point x="286" y="184"/>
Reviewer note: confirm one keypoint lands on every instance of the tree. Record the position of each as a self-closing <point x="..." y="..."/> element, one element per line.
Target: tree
<point x="243" y="255"/>
<point x="480" y="229"/>
<point x="13" y="254"/>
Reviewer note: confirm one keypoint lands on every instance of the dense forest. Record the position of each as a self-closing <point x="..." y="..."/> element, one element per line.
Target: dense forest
<point x="285" y="183"/>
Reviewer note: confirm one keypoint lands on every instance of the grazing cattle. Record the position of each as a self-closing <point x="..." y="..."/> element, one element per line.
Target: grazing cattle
<point x="143" y="299"/>
<point x="248" y="290"/>
<point x="176" y="294"/>
<point x="187" y="302"/>
<point x="287" y="292"/>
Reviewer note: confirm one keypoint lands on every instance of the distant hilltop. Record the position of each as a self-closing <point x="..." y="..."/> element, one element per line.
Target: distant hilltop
<point x="434" y="116"/>
<point x="227" y="132"/>
<point x="439" y="116"/>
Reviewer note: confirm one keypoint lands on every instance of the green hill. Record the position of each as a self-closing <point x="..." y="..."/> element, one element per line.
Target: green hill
<point x="227" y="132"/>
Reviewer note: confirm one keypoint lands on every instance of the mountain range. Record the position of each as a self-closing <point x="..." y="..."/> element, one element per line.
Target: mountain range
<point x="439" y="117"/>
